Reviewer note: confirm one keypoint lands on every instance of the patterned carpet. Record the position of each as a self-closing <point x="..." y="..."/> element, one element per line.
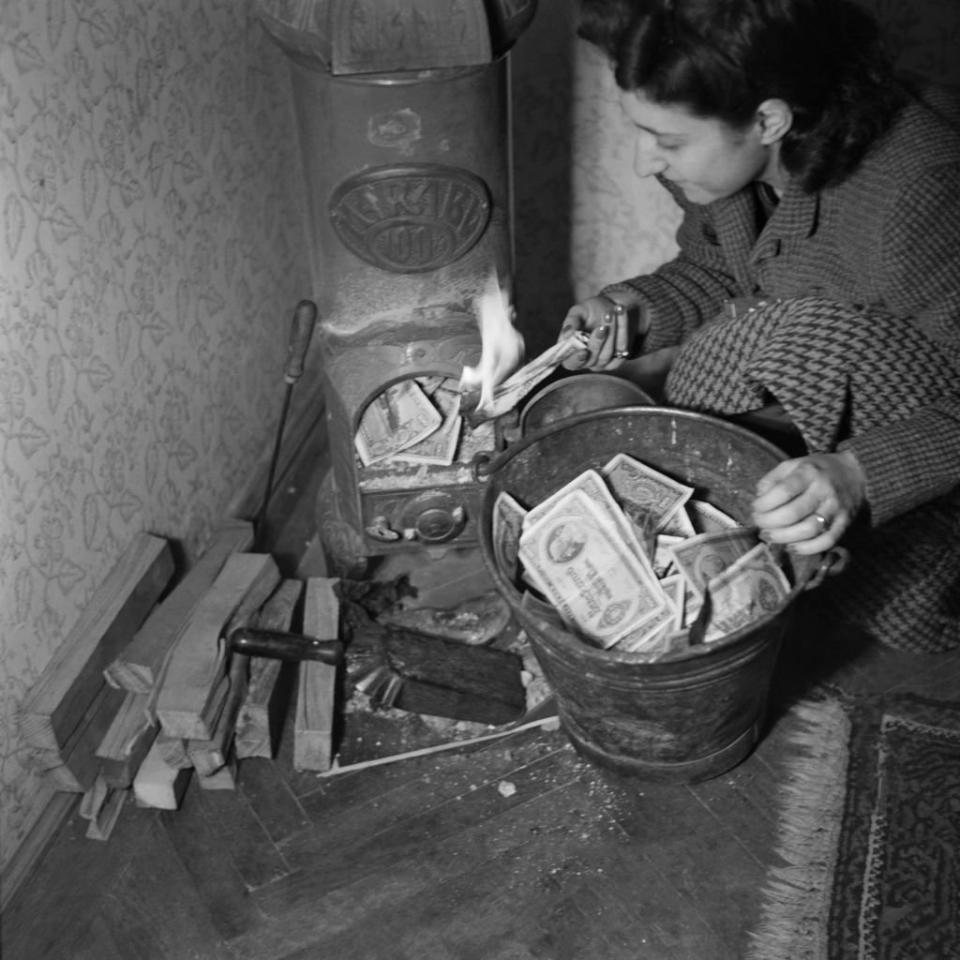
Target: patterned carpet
<point x="869" y="835"/>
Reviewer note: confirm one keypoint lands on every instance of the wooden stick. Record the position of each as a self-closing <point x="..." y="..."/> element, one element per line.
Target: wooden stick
<point x="101" y="806"/>
<point x="159" y="785"/>
<point x="137" y="667"/>
<point x="58" y="700"/>
<point x="126" y="744"/>
<point x="316" y="692"/>
<point x="75" y="766"/>
<point x="210" y="755"/>
<point x="185" y="703"/>
<point x="101" y="826"/>
<point x="260" y="720"/>
<point x="173" y="750"/>
<point x="550" y="723"/>
<point x="223" y="778"/>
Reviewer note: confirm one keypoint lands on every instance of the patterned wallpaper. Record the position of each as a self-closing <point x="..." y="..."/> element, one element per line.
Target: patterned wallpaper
<point x="149" y="265"/>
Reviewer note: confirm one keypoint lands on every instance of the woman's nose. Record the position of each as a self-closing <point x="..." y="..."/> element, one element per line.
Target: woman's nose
<point x="647" y="160"/>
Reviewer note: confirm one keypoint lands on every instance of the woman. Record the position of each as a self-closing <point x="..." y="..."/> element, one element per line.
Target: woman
<point x="818" y="269"/>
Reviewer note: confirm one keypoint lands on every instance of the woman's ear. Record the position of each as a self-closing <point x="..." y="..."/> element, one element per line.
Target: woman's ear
<point x="774" y="118"/>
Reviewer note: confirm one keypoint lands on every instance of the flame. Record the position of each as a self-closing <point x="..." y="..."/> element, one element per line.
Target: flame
<point x="501" y="344"/>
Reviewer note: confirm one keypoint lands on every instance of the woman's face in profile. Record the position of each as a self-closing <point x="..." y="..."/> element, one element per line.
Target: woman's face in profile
<point x="706" y="158"/>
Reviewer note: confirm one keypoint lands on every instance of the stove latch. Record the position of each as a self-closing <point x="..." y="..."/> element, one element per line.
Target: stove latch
<point x="431" y="517"/>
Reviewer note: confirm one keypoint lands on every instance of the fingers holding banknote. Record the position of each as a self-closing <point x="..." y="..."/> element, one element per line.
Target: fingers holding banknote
<point x="610" y="327"/>
<point x="809" y="502"/>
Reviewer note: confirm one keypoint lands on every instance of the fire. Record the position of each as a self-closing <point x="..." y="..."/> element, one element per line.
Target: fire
<point x="501" y="343"/>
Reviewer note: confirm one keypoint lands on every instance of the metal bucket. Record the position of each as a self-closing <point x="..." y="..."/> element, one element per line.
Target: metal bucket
<point x="679" y="720"/>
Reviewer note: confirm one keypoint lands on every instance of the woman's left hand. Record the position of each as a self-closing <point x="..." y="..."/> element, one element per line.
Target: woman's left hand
<point x="810" y="502"/>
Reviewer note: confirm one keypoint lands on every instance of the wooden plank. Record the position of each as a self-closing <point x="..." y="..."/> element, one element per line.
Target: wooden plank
<point x="126" y="744"/>
<point x="261" y="716"/>
<point x="185" y="701"/>
<point x="316" y="691"/>
<point x="223" y="778"/>
<point x="210" y="755"/>
<point x="76" y="765"/>
<point x="159" y="785"/>
<point x="137" y="666"/>
<point x="101" y="805"/>
<point x="58" y="700"/>
<point x="173" y="750"/>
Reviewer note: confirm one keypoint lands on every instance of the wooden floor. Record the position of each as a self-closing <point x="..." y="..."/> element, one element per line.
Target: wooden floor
<point x="513" y="851"/>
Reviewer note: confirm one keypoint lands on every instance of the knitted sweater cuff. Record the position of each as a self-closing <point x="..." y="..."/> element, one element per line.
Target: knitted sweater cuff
<point x="908" y="463"/>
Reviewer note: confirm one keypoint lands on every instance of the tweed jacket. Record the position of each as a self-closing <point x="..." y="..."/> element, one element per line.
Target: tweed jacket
<point x="888" y="237"/>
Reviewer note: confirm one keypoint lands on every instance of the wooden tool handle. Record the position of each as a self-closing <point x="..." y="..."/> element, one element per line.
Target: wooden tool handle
<point x="278" y="645"/>
<point x="301" y="330"/>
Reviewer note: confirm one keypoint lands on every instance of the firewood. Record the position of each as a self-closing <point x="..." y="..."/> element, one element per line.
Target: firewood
<point x="186" y="703"/>
<point x="126" y="744"/>
<point x="316" y="691"/>
<point x="101" y="805"/>
<point x="137" y="666"/>
<point x="223" y="778"/>
<point x="173" y="750"/>
<point x="64" y="691"/>
<point x="75" y="766"/>
<point x="260" y="720"/>
<point x="210" y="755"/>
<point x="101" y="826"/>
<point x="159" y="785"/>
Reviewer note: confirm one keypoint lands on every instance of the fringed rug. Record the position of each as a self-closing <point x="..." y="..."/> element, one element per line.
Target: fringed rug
<point x="869" y="834"/>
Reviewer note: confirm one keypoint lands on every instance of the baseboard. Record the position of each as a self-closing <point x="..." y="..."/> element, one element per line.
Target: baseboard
<point x="34" y="844"/>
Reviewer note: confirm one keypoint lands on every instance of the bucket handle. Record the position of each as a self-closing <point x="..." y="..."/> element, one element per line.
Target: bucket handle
<point x="832" y="562"/>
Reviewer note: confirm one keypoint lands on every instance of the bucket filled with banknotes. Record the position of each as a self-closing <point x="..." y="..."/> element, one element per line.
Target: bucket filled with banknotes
<point x="621" y="541"/>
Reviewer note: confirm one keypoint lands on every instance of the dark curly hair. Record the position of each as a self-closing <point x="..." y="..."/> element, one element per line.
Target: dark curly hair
<point x="723" y="58"/>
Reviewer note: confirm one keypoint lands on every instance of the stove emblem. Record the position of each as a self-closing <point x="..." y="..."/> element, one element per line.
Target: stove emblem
<point x="411" y="219"/>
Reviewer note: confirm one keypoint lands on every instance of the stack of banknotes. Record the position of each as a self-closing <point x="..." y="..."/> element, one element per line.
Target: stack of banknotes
<point x="413" y="421"/>
<point x="632" y="560"/>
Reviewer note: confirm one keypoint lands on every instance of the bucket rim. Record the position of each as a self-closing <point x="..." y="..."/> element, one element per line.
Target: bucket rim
<point x="486" y="466"/>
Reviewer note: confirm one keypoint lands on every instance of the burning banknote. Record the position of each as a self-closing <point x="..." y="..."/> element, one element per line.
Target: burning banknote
<point x="501" y="343"/>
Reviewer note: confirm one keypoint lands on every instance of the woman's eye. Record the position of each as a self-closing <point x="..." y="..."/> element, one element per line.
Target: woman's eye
<point x="668" y="146"/>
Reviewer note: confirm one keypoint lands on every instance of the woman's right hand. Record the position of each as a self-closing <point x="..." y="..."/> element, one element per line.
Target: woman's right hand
<point x="611" y="327"/>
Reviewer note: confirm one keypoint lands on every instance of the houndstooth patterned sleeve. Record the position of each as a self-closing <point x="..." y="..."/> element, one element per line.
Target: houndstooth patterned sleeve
<point x="915" y="459"/>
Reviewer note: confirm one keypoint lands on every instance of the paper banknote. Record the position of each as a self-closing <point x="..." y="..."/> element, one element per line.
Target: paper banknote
<point x="508" y="394"/>
<point x="595" y="582"/>
<point x="706" y="518"/>
<point x="439" y="447"/>
<point x="593" y="485"/>
<point x="702" y="557"/>
<point x="647" y="496"/>
<point x="397" y="418"/>
<point x="749" y="589"/>
<point x="506" y="529"/>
